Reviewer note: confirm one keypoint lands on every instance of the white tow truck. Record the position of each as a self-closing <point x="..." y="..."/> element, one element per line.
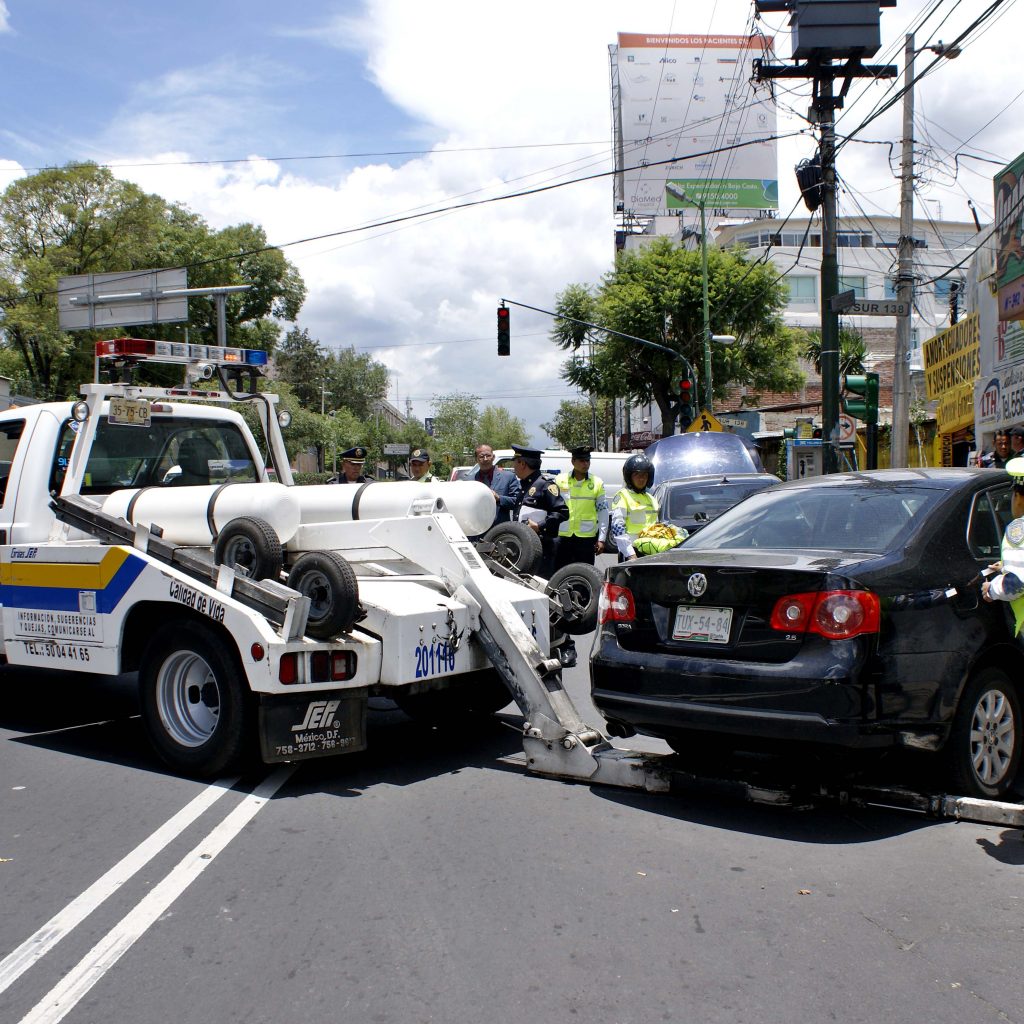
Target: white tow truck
<point x="142" y="529"/>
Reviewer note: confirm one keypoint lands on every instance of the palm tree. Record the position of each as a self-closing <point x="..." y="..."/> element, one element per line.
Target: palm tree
<point x="851" y="351"/>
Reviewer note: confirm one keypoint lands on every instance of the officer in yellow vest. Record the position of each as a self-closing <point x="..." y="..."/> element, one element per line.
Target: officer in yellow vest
<point x="582" y="536"/>
<point x="1009" y="584"/>
<point x="633" y="507"/>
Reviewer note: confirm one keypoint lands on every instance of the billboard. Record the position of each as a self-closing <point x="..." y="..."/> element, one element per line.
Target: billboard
<point x="689" y="124"/>
<point x="1009" y="228"/>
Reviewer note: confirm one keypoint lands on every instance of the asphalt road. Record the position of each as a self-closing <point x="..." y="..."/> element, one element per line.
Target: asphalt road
<point x="429" y="879"/>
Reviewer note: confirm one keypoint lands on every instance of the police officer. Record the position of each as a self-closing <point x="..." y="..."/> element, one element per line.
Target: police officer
<point x="1009" y="584"/>
<point x="419" y="466"/>
<point x="633" y="507"/>
<point x="543" y="508"/>
<point x="352" y="460"/>
<point x="582" y="536"/>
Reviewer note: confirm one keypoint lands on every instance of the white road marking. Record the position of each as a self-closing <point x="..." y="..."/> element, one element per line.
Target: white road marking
<point x="64" y="996"/>
<point x="15" y="964"/>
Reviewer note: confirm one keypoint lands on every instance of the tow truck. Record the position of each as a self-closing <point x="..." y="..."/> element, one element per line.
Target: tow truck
<point x="144" y="528"/>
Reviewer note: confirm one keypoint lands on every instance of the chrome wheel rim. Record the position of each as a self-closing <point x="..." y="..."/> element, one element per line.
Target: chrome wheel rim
<point x="188" y="699"/>
<point x="993" y="737"/>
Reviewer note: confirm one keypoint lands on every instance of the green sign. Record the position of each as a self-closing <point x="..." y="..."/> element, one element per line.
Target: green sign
<point x="1009" y="195"/>
<point x="723" y="194"/>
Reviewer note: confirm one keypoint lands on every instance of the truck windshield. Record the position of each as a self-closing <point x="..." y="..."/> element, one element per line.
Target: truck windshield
<point x="173" y="451"/>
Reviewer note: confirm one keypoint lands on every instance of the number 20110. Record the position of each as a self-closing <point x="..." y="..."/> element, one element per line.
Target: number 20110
<point x="434" y="658"/>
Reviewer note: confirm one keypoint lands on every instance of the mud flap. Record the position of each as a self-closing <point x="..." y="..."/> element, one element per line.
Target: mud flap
<point x="312" y="725"/>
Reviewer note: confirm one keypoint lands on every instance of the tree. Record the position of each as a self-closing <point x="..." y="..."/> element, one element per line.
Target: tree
<point x="852" y="351"/>
<point x="572" y="424"/>
<point x="356" y="382"/>
<point x="655" y="293"/>
<point x="80" y="219"/>
<point x="455" y="427"/>
<point x="299" y="362"/>
<point x="499" y="428"/>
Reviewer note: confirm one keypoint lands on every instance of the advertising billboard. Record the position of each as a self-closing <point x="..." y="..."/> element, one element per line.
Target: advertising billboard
<point x="689" y="124"/>
<point x="1009" y="227"/>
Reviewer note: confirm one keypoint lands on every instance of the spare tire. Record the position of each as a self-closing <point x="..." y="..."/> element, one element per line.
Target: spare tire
<point x="516" y="547"/>
<point x="576" y="589"/>
<point x="333" y="591"/>
<point x="252" y="546"/>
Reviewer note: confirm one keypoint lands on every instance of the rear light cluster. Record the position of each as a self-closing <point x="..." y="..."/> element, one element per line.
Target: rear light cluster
<point x="320" y="667"/>
<point x="615" y="604"/>
<point x="833" y="614"/>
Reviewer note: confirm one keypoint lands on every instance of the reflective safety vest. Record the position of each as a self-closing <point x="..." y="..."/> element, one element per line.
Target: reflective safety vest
<point x="641" y="509"/>
<point x="582" y="497"/>
<point x="1012" y="552"/>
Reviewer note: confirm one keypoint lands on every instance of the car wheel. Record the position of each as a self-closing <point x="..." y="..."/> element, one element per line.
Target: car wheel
<point x="333" y="591"/>
<point x="516" y="546"/>
<point x="984" y="746"/>
<point x="252" y="546"/>
<point x="576" y="588"/>
<point x="195" y="705"/>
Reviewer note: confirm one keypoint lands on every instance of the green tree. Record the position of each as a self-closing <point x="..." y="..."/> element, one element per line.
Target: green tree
<point x="355" y="381"/>
<point x="572" y="424"/>
<point x="499" y="428"/>
<point x="852" y="351"/>
<point x="299" y="362"/>
<point x="456" y="419"/>
<point x="655" y="293"/>
<point x="80" y="219"/>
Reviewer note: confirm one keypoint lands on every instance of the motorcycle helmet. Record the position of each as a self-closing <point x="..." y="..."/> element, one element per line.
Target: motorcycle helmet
<point x="637" y="464"/>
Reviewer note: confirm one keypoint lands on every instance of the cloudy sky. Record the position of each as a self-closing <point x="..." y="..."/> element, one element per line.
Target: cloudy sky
<point x="333" y="117"/>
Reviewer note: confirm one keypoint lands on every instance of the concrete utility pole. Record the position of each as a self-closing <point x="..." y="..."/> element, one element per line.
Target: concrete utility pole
<point x="900" y="430"/>
<point x="826" y="112"/>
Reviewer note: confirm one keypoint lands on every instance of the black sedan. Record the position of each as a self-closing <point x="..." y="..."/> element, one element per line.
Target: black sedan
<point x="692" y="503"/>
<point x="842" y="613"/>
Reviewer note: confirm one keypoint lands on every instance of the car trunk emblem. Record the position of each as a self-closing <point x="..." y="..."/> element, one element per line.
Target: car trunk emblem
<point x="697" y="584"/>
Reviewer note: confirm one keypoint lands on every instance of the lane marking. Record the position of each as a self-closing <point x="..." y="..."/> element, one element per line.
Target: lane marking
<point x="15" y="964"/>
<point x="66" y="994"/>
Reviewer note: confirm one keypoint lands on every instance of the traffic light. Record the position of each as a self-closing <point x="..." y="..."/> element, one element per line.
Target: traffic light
<point x="685" y="403"/>
<point x="866" y="407"/>
<point x="504" y="338"/>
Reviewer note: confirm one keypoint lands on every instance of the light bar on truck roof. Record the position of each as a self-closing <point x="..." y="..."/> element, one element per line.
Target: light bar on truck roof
<point x="145" y="349"/>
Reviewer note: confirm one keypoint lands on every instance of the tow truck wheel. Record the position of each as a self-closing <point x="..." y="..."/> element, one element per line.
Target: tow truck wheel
<point x="252" y="546"/>
<point x="516" y="546"/>
<point x="330" y="584"/>
<point x="195" y="707"/>
<point x="984" y="746"/>
<point x="576" y="589"/>
<point x="471" y="695"/>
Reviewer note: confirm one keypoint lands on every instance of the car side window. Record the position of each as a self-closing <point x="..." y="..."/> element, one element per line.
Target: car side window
<point x="10" y="435"/>
<point x="989" y="515"/>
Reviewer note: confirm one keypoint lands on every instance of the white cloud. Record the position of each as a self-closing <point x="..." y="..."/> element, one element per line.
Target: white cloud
<point x="5" y="18"/>
<point x="477" y="75"/>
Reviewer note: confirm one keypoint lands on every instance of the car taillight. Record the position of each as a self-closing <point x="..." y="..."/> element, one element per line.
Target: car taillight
<point x="288" y="669"/>
<point x="615" y="604"/>
<point x="328" y="666"/>
<point x="833" y="614"/>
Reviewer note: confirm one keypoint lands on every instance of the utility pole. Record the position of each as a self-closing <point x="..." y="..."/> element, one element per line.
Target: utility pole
<point x="826" y="112"/>
<point x="900" y="430"/>
<point x="707" y="312"/>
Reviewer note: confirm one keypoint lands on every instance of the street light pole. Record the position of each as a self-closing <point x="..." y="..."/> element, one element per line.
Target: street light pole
<point x="707" y="311"/>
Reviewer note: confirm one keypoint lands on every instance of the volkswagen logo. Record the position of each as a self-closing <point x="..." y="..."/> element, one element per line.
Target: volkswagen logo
<point x="697" y="584"/>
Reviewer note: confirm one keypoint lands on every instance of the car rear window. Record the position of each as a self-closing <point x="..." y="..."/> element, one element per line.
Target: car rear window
<point x="848" y="518"/>
<point x="711" y="497"/>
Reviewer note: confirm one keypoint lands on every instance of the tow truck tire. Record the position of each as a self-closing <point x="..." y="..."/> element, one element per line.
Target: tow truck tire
<point x="195" y="705"/>
<point x="984" y="747"/>
<point x="576" y="589"/>
<point x="251" y="545"/>
<point x="333" y="591"/>
<point x="471" y="695"/>
<point x="516" y="546"/>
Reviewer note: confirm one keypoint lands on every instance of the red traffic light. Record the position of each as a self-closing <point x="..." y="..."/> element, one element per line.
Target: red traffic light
<point x="504" y="332"/>
<point x="685" y="389"/>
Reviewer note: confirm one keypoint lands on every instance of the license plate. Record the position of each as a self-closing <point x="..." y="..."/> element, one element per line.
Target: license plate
<point x="129" y="412"/>
<point x="702" y="625"/>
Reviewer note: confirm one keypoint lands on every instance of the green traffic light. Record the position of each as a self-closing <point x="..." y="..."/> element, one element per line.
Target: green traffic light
<point x="866" y="406"/>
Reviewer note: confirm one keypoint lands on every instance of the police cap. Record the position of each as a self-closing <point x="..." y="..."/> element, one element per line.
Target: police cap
<point x="581" y="451"/>
<point x="1017" y="431"/>
<point x="1015" y="467"/>
<point x="357" y="455"/>
<point x="527" y="453"/>
<point x="419" y="455"/>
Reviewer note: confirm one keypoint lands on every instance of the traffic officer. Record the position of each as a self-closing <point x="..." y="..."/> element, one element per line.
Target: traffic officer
<point x="419" y="466"/>
<point x="633" y="507"/>
<point x="543" y="508"/>
<point x="352" y="460"/>
<point x="1008" y="585"/>
<point x="582" y="536"/>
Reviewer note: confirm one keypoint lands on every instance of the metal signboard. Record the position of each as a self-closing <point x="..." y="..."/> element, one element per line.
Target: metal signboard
<point x="879" y="307"/>
<point x="687" y="114"/>
<point x="396" y="449"/>
<point x="125" y="298"/>
<point x="1009" y="226"/>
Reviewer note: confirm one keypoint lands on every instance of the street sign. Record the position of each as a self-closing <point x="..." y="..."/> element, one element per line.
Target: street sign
<point x="843" y="301"/>
<point x="124" y="298"/>
<point x="878" y="307"/>
<point x="428" y="425"/>
<point x="705" y="420"/>
<point x="847" y="427"/>
<point x="396" y="449"/>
